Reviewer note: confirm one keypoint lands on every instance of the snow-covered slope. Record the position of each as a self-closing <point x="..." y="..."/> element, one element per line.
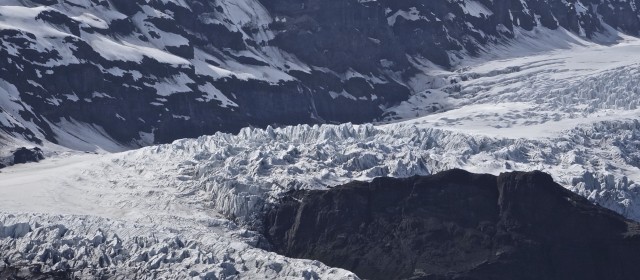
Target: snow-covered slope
<point x="112" y="75"/>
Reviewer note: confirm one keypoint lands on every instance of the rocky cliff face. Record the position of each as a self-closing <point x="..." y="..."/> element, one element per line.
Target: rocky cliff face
<point x="457" y="225"/>
<point x="141" y="72"/>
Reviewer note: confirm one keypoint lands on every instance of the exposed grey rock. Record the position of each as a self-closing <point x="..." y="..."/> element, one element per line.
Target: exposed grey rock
<point x="22" y="155"/>
<point x="457" y="225"/>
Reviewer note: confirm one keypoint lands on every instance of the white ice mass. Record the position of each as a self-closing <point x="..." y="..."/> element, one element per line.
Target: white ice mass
<point x="183" y="210"/>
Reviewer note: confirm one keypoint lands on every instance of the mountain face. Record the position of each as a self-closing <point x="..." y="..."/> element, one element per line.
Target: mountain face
<point x="137" y="72"/>
<point x="457" y="225"/>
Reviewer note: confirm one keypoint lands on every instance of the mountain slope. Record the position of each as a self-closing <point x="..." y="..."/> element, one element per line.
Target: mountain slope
<point x="110" y="75"/>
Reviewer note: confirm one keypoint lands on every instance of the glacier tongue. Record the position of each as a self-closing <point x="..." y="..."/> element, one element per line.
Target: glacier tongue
<point x="163" y="211"/>
<point x="238" y="174"/>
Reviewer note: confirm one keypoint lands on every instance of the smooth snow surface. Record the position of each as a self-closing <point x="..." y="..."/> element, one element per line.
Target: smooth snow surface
<point x="183" y="209"/>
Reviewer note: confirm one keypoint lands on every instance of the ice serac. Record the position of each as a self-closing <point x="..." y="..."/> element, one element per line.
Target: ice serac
<point x="457" y="225"/>
<point x="88" y="74"/>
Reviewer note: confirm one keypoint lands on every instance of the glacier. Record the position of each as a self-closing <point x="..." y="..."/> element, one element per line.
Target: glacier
<point x="191" y="208"/>
<point x="214" y="188"/>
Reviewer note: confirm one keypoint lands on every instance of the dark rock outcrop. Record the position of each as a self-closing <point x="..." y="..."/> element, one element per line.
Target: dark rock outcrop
<point x="457" y="225"/>
<point x="24" y="155"/>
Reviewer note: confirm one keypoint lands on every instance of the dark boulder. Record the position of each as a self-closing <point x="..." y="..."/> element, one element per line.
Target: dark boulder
<point x="24" y="155"/>
<point x="457" y="225"/>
